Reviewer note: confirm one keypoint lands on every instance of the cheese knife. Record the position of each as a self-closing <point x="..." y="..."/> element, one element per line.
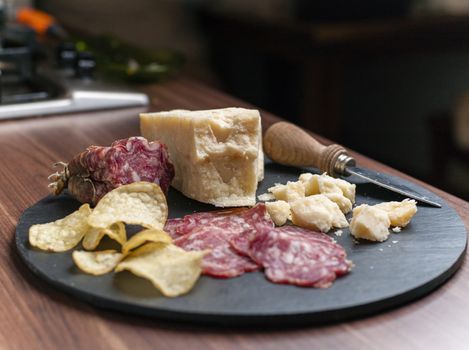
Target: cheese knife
<point x="287" y="144"/>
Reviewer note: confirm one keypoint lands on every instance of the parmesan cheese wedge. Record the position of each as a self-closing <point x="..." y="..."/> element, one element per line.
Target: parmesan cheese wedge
<point x="217" y="154"/>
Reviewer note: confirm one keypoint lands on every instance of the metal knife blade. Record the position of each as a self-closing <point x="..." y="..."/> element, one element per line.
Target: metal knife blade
<point x="382" y="181"/>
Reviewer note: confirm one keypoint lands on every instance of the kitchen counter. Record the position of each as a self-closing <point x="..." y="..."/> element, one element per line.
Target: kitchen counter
<point x="36" y="315"/>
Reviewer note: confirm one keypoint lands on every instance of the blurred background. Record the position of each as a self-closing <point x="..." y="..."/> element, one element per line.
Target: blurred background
<point x="387" y="78"/>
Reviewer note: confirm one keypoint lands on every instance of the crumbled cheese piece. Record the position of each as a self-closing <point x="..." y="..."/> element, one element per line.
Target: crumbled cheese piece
<point x="338" y="190"/>
<point x="338" y="233"/>
<point x="400" y="213"/>
<point x="328" y="184"/>
<point x="320" y="200"/>
<point x="265" y="197"/>
<point x="279" y="211"/>
<point x="343" y="202"/>
<point x="394" y="242"/>
<point x="311" y="183"/>
<point x="290" y="192"/>
<point x="373" y="222"/>
<point x="321" y="184"/>
<point x="369" y="222"/>
<point x="317" y="212"/>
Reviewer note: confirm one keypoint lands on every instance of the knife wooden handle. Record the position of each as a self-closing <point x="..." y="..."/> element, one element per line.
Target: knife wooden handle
<point x="287" y="144"/>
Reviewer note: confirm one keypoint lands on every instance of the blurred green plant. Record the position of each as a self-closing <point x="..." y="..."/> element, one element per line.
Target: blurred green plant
<point x="118" y="60"/>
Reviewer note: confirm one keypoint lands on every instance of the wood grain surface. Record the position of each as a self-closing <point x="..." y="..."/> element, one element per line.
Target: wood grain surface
<point x="36" y="316"/>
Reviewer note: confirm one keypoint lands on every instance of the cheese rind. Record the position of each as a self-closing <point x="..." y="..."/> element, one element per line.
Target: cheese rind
<point x="217" y="154"/>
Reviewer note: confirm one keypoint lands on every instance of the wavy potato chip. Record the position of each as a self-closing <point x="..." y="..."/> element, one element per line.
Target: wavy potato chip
<point x="62" y="234"/>
<point x="97" y="263"/>
<point x="145" y="236"/>
<point x="94" y="236"/>
<point x="171" y="269"/>
<point x="139" y="203"/>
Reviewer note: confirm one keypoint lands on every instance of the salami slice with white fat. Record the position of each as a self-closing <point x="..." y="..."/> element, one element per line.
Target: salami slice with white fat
<point x="175" y="227"/>
<point x="222" y="261"/>
<point x="299" y="256"/>
<point x="258" y="220"/>
<point x="215" y="231"/>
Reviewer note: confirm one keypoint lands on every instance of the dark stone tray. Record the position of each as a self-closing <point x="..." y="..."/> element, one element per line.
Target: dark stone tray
<point x="407" y="266"/>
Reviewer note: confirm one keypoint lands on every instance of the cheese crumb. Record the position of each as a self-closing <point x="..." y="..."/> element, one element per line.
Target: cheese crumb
<point x="400" y="213"/>
<point x="265" y="197"/>
<point x="338" y="190"/>
<point x="369" y="222"/>
<point x="343" y="202"/>
<point x="311" y="183"/>
<point x="279" y="212"/>
<point x="317" y="212"/>
<point x="318" y="202"/>
<point x="290" y="192"/>
<point x="321" y="184"/>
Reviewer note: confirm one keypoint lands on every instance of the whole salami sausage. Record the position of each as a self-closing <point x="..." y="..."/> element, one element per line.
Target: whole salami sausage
<point x="97" y="170"/>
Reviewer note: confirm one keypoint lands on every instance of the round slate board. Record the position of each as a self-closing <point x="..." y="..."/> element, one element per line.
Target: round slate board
<point x="408" y="265"/>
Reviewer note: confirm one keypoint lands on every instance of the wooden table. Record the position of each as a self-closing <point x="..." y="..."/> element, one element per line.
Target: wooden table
<point x="34" y="315"/>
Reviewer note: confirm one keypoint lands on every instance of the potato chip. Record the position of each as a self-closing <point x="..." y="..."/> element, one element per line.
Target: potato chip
<point x="139" y="203"/>
<point x="145" y="236"/>
<point x="97" y="263"/>
<point x="94" y="236"/>
<point x="171" y="269"/>
<point x="62" y="234"/>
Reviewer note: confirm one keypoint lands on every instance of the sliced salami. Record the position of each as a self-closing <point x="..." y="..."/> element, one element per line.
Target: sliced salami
<point x="256" y="220"/>
<point x="223" y="261"/>
<point x="294" y="255"/>
<point x="174" y="227"/>
<point x="215" y="231"/>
